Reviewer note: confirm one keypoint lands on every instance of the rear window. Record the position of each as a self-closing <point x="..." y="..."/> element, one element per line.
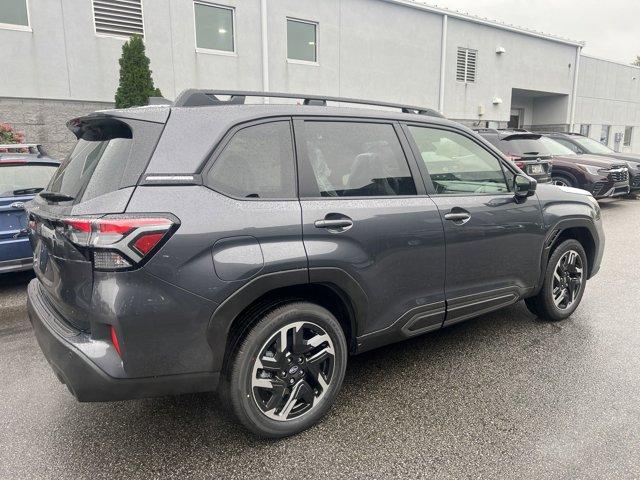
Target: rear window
<point x="523" y="147"/>
<point x="110" y="154"/>
<point x="24" y="179"/>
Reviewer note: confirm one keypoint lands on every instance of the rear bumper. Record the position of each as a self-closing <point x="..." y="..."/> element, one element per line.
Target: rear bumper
<point x="18" y="265"/>
<point x="74" y="357"/>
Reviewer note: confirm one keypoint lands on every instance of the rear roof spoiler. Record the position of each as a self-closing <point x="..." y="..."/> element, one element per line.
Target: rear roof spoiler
<point x="522" y="136"/>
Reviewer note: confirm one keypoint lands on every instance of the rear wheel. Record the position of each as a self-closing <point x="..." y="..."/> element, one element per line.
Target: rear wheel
<point x="564" y="283"/>
<point x="562" y="180"/>
<point x="288" y="370"/>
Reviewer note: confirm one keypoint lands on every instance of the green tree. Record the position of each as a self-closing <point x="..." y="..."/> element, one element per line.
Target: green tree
<point x="136" y="84"/>
<point x="636" y="62"/>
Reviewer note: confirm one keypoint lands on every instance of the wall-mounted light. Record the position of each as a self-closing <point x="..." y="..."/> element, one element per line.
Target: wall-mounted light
<point x="222" y="31"/>
<point x="500" y="50"/>
<point x="497" y="100"/>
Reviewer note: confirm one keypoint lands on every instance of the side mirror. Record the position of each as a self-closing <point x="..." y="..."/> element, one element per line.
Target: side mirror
<point x="524" y="186"/>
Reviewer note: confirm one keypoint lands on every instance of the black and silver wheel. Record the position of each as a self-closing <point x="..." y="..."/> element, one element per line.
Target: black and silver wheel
<point x="288" y="370"/>
<point x="564" y="283"/>
<point x="562" y="181"/>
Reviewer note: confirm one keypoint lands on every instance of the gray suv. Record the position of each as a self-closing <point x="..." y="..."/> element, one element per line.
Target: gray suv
<point x="250" y="249"/>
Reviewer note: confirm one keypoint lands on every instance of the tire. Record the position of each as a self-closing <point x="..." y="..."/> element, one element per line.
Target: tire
<point x="565" y="287"/>
<point x="264" y="377"/>
<point x="562" y="180"/>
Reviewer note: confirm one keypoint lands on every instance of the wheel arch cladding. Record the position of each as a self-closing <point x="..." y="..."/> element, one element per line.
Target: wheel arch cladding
<point x="240" y="311"/>
<point x="582" y="235"/>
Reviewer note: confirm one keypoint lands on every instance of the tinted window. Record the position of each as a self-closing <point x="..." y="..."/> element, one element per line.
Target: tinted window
<point x="109" y="155"/>
<point x="592" y="146"/>
<point x="457" y="164"/>
<point x="14" y="178"/>
<point x="256" y="163"/>
<point x="555" y="147"/>
<point x="523" y="147"/>
<point x="357" y="159"/>
<point x="568" y="144"/>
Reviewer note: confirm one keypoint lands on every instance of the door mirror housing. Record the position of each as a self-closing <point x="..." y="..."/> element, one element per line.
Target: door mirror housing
<point x="524" y="186"/>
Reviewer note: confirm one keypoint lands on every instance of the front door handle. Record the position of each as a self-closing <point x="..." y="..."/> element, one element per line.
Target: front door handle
<point x="457" y="216"/>
<point x="334" y="224"/>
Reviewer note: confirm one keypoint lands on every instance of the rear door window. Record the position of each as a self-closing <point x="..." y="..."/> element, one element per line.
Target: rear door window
<point x="352" y="159"/>
<point x="257" y="162"/>
<point x="458" y="165"/>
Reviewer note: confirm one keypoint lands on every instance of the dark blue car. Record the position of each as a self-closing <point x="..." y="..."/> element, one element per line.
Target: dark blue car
<point x="25" y="169"/>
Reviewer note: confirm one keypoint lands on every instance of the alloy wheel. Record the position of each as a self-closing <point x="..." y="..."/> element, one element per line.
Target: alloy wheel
<point x="567" y="280"/>
<point x="560" y="182"/>
<point x="293" y="371"/>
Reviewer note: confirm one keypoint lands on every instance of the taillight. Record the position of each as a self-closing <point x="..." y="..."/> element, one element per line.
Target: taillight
<point x="517" y="161"/>
<point x="114" y="340"/>
<point x="117" y="243"/>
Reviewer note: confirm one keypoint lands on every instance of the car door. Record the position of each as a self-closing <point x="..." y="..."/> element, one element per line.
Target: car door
<point x="493" y="240"/>
<point x="365" y="216"/>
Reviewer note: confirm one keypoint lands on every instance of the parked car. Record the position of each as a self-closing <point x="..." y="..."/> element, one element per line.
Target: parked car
<point x="521" y="148"/>
<point x="602" y="176"/>
<point x="251" y="248"/>
<point x="584" y="145"/>
<point x="24" y="170"/>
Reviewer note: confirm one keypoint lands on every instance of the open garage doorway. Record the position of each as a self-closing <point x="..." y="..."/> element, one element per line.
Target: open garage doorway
<point x="537" y="110"/>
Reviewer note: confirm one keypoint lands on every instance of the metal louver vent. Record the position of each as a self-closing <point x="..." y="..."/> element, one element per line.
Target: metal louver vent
<point x="121" y="18"/>
<point x="466" y="65"/>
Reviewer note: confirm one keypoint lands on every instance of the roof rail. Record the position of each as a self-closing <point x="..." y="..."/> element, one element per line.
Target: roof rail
<point x="199" y="98"/>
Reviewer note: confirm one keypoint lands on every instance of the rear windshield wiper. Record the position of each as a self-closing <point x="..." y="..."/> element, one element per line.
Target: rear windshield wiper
<point x="56" y="197"/>
<point x="27" y="191"/>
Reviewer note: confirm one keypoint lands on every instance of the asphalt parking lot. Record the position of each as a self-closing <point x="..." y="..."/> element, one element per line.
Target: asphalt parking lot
<point x="501" y="396"/>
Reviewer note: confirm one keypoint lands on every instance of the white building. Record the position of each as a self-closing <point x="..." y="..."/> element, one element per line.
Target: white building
<point x="60" y="60"/>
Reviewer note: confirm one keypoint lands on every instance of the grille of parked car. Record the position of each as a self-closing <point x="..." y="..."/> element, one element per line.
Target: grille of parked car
<point x="620" y="174"/>
<point x="598" y="188"/>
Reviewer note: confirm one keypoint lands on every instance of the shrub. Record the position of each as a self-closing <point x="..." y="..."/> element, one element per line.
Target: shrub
<point x="136" y="84"/>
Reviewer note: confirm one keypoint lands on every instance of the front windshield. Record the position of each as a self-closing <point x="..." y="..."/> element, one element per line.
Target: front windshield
<point x="556" y="148"/>
<point x="14" y="178"/>
<point x="591" y="146"/>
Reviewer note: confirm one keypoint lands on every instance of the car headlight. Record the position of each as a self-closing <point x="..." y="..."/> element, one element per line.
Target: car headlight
<point x="594" y="170"/>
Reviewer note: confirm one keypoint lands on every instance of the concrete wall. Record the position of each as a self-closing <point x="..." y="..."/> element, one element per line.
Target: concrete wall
<point x="366" y="48"/>
<point x="530" y="63"/>
<point x="43" y="121"/>
<point x="609" y="94"/>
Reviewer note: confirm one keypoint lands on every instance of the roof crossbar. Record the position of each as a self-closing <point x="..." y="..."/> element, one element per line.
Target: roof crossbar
<point x="199" y="98"/>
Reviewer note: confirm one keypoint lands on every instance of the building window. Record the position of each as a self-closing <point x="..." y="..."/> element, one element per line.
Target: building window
<point x="585" y="129"/>
<point x="604" y="134"/>
<point x="215" y="29"/>
<point x="466" y="65"/>
<point x="14" y="14"/>
<point x="302" y="41"/>
<point x="628" y="133"/>
<point x="118" y="18"/>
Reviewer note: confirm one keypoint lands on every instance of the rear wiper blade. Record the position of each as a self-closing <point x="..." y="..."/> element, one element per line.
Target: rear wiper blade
<point x="56" y="197"/>
<point x="27" y="191"/>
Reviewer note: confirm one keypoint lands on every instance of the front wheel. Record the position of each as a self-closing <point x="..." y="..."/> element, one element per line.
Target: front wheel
<point x="288" y="370"/>
<point x="564" y="283"/>
<point x="562" y="181"/>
